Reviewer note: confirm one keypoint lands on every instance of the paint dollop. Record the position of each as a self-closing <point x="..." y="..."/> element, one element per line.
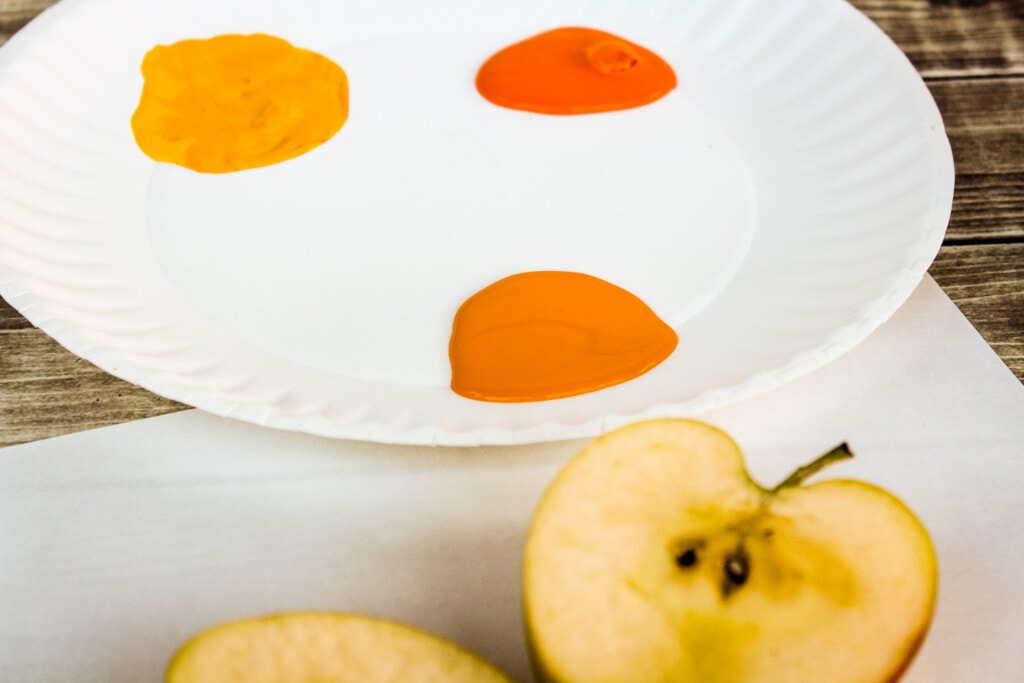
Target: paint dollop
<point x="543" y="335"/>
<point x="236" y="102"/>
<point x="574" y="70"/>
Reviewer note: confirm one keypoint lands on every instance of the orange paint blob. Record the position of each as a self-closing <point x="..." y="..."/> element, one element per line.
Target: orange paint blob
<point x="574" y="70"/>
<point x="236" y="102"/>
<point x="550" y="334"/>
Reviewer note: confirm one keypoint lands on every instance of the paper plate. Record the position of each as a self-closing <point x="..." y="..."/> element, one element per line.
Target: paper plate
<point x="775" y="208"/>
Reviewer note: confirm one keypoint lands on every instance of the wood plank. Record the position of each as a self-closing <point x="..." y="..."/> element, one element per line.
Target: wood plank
<point x="10" y="319"/>
<point x="987" y="284"/>
<point x="47" y="391"/>
<point x="950" y="38"/>
<point x="14" y="14"/>
<point x="985" y="123"/>
<point x="987" y="207"/>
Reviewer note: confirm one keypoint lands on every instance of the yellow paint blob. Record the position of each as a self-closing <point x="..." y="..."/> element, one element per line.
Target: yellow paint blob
<point x="235" y="102"/>
<point x="574" y="70"/>
<point x="551" y="334"/>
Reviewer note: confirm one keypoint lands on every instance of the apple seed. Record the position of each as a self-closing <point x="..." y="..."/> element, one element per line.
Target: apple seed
<point x="736" y="571"/>
<point x="687" y="558"/>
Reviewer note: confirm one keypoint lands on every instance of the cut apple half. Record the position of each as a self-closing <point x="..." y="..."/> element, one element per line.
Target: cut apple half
<point x="653" y="556"/>
<point x="321" y="647"/>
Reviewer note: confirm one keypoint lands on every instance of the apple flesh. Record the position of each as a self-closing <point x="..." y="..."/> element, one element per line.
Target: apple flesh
<point x="315" y="647"/>
<point x="653" y="556"/>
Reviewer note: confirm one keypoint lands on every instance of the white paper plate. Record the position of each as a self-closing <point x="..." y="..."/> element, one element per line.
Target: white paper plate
<point x="775" y="208"/>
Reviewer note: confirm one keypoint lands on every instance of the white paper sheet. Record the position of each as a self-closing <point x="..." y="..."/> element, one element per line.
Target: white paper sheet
<point x="117" y="544"/>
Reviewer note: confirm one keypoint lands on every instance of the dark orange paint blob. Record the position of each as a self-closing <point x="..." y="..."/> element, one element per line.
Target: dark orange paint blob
<point x="236" y="102"/>
<point x="574" y="70"/>
<point x="550" y="334"/>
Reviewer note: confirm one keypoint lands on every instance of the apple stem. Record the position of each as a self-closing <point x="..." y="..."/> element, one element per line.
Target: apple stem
<point x="840" y="452"/>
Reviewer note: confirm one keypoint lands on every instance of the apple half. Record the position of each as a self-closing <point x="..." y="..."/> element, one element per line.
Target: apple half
<point x="653" y="556"/>
<point x="324" y="647"/>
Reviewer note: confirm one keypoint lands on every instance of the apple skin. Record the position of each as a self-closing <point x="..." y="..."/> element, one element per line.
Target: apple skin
<point x="653" y="556"/>
<point x="324" y="647"/>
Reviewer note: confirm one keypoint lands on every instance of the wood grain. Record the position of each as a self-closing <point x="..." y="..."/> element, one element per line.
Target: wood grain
<point x="987" y="284"/>
<point x="46" y="391"/>
<point x="985" y="122"/>
<point x="971" y="54"/>
<point x="14" y="14"/>
<point x="954" y="39"/>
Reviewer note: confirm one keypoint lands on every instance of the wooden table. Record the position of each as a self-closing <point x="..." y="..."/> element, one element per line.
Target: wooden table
<point x="971" y="54"/>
